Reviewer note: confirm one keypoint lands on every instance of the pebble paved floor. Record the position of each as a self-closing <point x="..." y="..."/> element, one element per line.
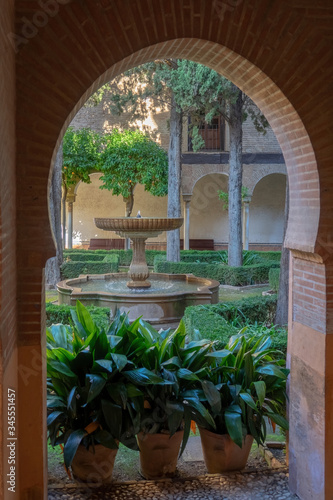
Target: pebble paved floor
<point x="263" y="485"/>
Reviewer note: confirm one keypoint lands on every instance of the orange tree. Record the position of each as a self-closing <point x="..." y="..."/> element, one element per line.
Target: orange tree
<point x="129" y="158"/>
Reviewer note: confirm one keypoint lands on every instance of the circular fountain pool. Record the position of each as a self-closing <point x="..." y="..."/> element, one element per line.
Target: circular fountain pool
<point x="163" y="304"/>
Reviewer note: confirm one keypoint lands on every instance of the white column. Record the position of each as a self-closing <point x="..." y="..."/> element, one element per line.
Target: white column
<point x="187" y="201"/>
<point x="246" y="222"/>
<point x="70" y="205"/>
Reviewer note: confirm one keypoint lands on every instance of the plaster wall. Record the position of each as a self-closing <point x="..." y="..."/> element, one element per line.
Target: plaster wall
<point x="207" y="217"/>
<point x="91" y="201"/>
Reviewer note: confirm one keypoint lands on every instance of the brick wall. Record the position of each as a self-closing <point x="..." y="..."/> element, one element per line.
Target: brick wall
<point x="7" y="184"/>
<point x="100" y="118"/>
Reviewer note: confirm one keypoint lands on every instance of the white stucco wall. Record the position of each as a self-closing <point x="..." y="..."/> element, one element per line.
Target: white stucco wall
<point x="267" y="210"/>
<point x="94" y="202"/>
<point x="207" y="218"/>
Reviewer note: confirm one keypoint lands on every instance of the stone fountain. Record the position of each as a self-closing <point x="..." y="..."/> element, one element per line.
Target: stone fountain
<point x="139" y="230"/>
<point x="162" y="300"/>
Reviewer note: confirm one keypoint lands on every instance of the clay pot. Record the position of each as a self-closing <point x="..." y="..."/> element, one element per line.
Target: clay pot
<point x="159" y="454"/>
<point x="94" y="465"/>
<point x="221" y="454"/>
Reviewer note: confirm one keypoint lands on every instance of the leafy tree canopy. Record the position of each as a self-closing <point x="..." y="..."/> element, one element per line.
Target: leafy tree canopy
<point x="81" y="155"/>
<point x="131" y="157"/>
<point x="125" y="159"/>
<point x="198" y="92"/>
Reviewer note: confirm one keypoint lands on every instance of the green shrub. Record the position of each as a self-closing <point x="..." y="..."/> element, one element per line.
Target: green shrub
<point x="267" y="255"/>
<point x="251" y="310"/>
<point x="274" y="278"/>
<point x="221" y="321"/>
<point x="62" y="314"/>
<point x="72" y="269"/>
<point x="235" y="276"/>
<point x="83" y="256"/>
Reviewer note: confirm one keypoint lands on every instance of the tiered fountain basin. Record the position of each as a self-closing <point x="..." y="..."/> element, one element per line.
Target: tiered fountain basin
<point x="138" y="229"/>
<point x="162" y="304"/>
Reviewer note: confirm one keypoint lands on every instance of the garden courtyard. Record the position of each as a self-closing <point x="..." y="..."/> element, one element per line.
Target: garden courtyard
<point x="238" y="308"/>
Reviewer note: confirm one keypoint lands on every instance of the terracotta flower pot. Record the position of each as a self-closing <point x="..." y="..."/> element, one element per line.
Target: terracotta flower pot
<point x="221" y="454"/>
<point x="159" y="454"/>
<point x="93" y="467"/>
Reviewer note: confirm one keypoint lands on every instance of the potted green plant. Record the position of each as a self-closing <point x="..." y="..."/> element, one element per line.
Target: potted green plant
<point x="89" y="405"/>
<point x="167" y="403"/>
<point x="244" y="384"/>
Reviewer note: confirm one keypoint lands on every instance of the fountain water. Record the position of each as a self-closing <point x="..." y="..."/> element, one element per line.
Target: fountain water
<point x="162" y="300"/>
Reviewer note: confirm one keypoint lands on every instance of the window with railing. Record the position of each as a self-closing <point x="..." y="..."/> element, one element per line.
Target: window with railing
<point x="213" y="135"/>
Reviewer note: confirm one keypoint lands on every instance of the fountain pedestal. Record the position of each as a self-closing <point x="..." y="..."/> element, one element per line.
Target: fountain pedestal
<point x="138" y="230"/>
<point x="138" y="271"/>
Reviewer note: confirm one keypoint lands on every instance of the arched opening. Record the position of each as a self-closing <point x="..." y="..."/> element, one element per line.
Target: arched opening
<point x="267" y="210"/>
<point x="207" y="217"/>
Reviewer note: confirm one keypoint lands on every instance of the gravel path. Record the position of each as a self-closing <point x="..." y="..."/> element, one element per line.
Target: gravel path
<point x="261" y="485"/>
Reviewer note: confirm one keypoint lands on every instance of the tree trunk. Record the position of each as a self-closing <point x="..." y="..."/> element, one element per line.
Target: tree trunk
<point x="129" y="201"/>
<point x="174" y="157"/>
<point x="281" y="317"/>
<point x="64" y="209"/>
<point x="235" y="255"/>
<point x="52" y="268"/>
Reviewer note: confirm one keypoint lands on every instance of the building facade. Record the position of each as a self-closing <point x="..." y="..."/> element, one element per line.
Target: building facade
<point x="203" y="174"/>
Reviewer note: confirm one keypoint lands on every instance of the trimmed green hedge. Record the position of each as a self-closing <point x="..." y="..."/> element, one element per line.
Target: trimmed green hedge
<point x="274" y="279"/>
<point x="83" y="256"/>
<point x="72" y="269"/>
<point x="62" y="314"/>
<point x="221" y="321"/>
<point x="235" y="276"/>
<point x="253" y="309"/>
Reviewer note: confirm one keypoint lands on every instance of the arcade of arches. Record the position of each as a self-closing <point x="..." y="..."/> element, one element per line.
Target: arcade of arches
<point x="54" y="55"/>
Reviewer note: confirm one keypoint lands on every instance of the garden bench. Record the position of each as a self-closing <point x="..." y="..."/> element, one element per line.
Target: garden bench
<point x="107" y="244"/>
<point x="198" y="244"/>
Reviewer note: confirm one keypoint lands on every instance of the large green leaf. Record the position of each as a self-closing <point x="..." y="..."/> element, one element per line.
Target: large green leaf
<point x="101" y="347"/>
<point x="248" y="400"/>
<point x="279" y="420"/>
<point x="271" y="370"/>
<point x="105" y="438"/>
<point x="113" y="417"/>
<point x="118" y="393"/>
<point x="175" y="413"/>
<point x="219" y="354"/>
<point x="233" y="423"/>
<point x="54" y="416"/>
<point x="82" y="363"/>
<point x="60" y="335"/>
<point x="107" y="364"/>
<point x="260" y="388"/>
<point x="249" y="369"/>
<point x="199" y="407"/>
<point x="120" y="360"/>
<point x="71" y="401"/>
<point x="213" y="396"/>
<point x="133" y="391"/>
<point x="54" y="401"/>
<point x="60" y="367"/>
<point x="173" y="362"/>
<point x="142" y="376"/>
<point x="84" y="318"/>
<point x="97" y="384"/>
<point x="186" y="374"/>
<point x="72" y="444"/>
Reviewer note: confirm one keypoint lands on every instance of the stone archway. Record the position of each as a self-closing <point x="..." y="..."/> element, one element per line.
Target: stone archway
<point x="279" y="54"/>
